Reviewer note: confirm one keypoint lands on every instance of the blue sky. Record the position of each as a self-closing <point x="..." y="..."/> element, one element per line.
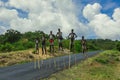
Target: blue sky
<point x="39" y="14"/>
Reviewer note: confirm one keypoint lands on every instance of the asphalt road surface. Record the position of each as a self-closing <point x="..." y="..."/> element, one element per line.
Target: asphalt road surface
<point x="47" y="67"/>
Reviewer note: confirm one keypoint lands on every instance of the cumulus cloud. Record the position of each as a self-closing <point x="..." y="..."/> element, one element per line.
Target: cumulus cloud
<point x="7" y="15"/>
<point x="43" y="15"/>
<point x="116" y="15"/>
<point x="104" y="26"/>
<point x="90" y="11"/>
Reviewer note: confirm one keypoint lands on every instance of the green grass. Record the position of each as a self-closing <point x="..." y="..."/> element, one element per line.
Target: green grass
<point x="105" y="66"/>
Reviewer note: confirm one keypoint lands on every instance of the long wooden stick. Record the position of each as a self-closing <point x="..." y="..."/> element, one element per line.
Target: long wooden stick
<point x="75" y="59"/>
<point x="69" y="60"/>
<point x="35" y="63"/>
<point x="49" y="64"/>
<point x="38" y="60"/>
<point x="58" y="62"/>
<point x="69" y="55"/>
<point x="55" y="62"/>
<point x="64" y="63"/>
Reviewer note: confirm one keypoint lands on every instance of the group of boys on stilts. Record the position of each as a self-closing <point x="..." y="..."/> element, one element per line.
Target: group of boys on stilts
<point x="59" y="36"/>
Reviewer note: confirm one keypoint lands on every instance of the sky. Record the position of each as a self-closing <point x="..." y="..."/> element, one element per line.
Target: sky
<point x="89" y="18"/>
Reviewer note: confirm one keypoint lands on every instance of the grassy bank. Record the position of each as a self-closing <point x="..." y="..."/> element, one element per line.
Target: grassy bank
<point x="105" y="66"/>
<point x="24" y="56"/>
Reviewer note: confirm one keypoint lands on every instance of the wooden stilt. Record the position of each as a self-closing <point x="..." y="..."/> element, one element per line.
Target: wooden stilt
<point x="38" y="61"/>
<point x="75" y="59"/>
<point x="64" y="63"/>
<point x="69" y="60"/>
<point x="55" y="63"/>
<point x="35" y="64"/>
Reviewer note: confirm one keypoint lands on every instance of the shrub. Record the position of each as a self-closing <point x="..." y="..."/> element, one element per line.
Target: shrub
<point x="92" y="47"/>
<point x="28" y="45"/>
<point x="118" y="46"/>
<point x="6" y="48"/>
<point x="77" y="46"/>
<point x="18" y="46"/>
<point x="102" y="60"/>
<point x="66" y="44"/>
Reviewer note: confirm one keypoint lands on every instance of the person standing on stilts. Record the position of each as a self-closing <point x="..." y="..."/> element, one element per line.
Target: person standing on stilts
<point x="37" y="45"/>
<point x="51" y="36"/>
<point x="72" y="37"/>
<point x="84" y="45"/>
<point x="60" y="38"/>
<point x="43" y="41"/>
<point x="37" y="53"/>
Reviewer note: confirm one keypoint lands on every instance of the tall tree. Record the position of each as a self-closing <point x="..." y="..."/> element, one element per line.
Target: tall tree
<point x="12" y="36"/>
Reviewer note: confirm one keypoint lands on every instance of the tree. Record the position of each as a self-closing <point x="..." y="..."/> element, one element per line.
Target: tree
<point x="32" y="35"/>
<point x="12" y="36"/>
<point x="1" y="39"/>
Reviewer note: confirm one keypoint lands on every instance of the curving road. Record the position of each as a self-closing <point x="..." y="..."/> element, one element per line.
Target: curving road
<point x="47" y="67"/>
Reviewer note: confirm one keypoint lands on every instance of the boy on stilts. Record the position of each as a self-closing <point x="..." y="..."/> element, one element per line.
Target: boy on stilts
<point x="37" y="53"/>
<point x="84" y="45"/>
<point x="51" y="36"/>
<point x="60" y="38"/>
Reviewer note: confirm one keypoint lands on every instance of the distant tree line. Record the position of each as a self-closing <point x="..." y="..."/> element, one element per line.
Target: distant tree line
<point x="14" y="40"/>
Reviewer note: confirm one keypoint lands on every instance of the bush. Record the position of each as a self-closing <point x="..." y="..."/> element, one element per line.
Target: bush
<point x="92" y="47"/>
<point x="77" y="46"/>
<point x="102" y="60"/>
<point x="118" y="46"/>
<point x="66" y="44"/>
<point x="28" y="45"/>
<point x="108" y="56"/>
<point x="18" y="46"/>
<point x="6" y="48"/>
<point x="21" y="45"/>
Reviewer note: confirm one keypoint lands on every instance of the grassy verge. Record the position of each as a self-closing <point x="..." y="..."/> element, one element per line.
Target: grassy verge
<point x="24" y="56"/>
<point x="105" y="66"/>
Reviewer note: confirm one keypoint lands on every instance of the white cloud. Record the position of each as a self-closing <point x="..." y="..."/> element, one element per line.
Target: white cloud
<point x="47" y="15"/>
<point x="116" y="15"/>
<point x="91" y="10"/>
<point x="103" y="26"/>
<point x="7" y="15"/>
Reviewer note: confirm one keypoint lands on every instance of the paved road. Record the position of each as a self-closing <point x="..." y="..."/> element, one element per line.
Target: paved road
<point x="47" y="67"/>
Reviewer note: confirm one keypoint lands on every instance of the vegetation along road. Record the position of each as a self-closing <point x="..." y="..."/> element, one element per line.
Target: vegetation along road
<point x="47" y="67"/>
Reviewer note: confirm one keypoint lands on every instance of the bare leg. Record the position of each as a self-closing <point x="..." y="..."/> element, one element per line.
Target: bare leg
<point x="45" y="50"/>
<point x="53" y="48"/>
<point x="59" y="46"/>
<point x="50" y="48"/>
<point x="42" y="50"/>
<point x="62" y="46"/>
